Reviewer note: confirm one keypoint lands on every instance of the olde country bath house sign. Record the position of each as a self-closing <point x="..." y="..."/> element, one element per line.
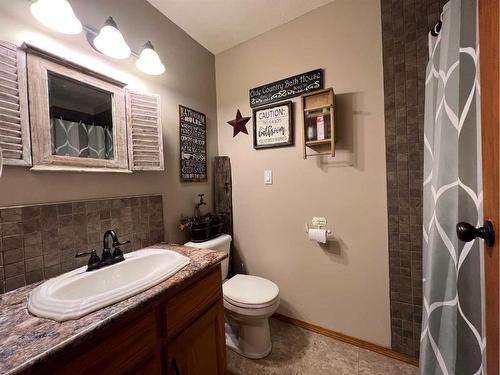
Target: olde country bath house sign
<point x="286" y="88"/>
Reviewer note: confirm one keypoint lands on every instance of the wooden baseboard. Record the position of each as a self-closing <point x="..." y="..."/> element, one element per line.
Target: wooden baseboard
<point x="348" y="339"/>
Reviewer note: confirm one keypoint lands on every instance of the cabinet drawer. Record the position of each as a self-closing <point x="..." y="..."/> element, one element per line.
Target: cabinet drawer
<point x="191" y="302"/>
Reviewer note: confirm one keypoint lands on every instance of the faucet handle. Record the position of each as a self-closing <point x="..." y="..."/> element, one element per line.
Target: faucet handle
<point x="94" y="260"/>
<point x="117" y="252"/>
<point x="87" y="253"/>
<point x="115" y="244"/>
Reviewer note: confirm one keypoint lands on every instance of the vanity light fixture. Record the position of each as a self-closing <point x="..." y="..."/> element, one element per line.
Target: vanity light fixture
<point x="56" y="15"/>
<point x="110" y="42"/>
<point x="149" y="62"/>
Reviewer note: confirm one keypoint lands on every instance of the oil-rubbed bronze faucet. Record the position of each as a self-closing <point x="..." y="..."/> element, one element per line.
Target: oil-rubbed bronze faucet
<point x="197" y="212"/>
<point x="107" y="257"/>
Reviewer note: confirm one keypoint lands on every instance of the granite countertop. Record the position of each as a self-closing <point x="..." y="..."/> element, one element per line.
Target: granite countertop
<point x="26" y="339"/>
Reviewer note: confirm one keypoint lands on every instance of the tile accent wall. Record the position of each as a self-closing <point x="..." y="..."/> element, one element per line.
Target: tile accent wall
<point x="39" y="242"/>
<point x="405" y="28"/>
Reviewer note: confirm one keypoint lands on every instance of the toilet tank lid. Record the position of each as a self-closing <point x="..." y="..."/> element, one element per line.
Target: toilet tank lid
<point x="251" y="290"/>
<point x="214" y="243"/>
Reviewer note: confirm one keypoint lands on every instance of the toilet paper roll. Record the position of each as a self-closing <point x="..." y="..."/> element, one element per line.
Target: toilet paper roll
<point x="318" y="235"/>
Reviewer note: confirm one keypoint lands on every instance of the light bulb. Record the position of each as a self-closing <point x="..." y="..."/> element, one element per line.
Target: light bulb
<point x="110" y="41"/>
<point x="149" y="62"/>
<point x="56" y="15"/>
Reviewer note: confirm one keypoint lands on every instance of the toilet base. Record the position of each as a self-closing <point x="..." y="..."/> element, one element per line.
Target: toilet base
<point x="250" y="339"/>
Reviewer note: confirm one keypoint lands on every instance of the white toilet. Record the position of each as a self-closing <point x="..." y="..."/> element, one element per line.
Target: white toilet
<point x="249" y="301"/>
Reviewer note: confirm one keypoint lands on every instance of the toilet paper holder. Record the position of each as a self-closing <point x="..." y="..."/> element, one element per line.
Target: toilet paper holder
<point x="318" y="223"/>
<point x="328" y="231"/>
<point x="319" y="232"/>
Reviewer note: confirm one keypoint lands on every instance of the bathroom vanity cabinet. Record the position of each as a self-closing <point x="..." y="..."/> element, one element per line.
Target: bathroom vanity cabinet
<point x="181" y="332"/>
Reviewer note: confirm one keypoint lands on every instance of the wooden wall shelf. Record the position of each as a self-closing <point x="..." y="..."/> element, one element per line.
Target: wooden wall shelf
<point x="319" y="123"/>
<point x="316" y="108"/>
<point x="317" y="143"/>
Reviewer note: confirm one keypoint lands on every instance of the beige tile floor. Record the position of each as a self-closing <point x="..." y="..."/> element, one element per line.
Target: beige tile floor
<point x="297" y="351"/>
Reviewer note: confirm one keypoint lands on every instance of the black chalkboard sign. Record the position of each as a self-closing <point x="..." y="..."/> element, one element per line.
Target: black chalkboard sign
<point x="287" y="88"/>
<point x="193" y="145"/>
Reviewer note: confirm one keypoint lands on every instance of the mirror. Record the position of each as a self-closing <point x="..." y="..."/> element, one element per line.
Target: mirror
<point x="81" y="119"/>
<point x="77" y="116"/>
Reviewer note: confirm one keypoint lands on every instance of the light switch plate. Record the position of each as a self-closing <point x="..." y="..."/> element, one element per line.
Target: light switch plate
<point x="268" y="177"/>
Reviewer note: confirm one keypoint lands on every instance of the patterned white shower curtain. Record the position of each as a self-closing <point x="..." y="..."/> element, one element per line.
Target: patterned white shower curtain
<point x="71" y="138"/>
<point x="453" y="340"/>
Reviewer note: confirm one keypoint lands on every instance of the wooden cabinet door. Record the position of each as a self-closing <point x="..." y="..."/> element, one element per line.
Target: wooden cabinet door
<point x="200" y="349"/>
<point x="124" y="348"/>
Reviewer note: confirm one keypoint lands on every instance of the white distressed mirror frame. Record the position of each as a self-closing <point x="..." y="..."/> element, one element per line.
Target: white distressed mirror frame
<point x="39" y="64"/>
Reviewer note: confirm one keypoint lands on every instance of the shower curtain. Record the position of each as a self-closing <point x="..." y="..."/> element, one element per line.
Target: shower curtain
<point x="83" y="140"/>
<point x="452" y="339"/>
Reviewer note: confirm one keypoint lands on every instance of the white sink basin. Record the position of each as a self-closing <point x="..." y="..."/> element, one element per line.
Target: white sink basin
<point x="77" y="293"/>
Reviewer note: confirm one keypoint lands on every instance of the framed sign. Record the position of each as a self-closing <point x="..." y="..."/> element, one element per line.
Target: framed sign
<point x="273" y="126"/>
<point x="193" y="145"/>
<point x="286" y="88"/>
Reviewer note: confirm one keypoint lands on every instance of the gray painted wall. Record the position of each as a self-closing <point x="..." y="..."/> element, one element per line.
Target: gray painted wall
<point x="189" y="80"/>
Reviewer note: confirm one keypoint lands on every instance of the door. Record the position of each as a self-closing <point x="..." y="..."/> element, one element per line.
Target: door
<point x="200" y="348"/>
<point x="489" y="56"/>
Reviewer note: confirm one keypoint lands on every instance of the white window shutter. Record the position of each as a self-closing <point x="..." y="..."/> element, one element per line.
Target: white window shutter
<point x="14" y="119"/>
<point x="145" y="142"/>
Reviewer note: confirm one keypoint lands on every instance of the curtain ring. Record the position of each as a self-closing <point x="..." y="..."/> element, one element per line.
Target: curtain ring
<point x="437" y="28"/>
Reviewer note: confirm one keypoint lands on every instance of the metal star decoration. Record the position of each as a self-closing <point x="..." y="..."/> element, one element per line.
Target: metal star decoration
<point x="239" y="123"/>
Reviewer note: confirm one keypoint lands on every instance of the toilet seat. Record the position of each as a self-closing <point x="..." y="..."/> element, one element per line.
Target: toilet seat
<point x="251" y="292"/>
<point x="250" y="306"/>
<point x="247" y="313"/>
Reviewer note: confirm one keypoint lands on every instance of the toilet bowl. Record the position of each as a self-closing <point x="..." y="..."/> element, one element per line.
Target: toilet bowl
<point x="249" y="301"/>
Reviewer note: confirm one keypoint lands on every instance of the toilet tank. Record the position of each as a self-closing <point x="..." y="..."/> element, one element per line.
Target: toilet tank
<point x="221" y="243"/>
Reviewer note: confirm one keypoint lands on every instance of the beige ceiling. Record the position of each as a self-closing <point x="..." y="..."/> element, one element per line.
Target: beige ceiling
<point x="221" y="24"/>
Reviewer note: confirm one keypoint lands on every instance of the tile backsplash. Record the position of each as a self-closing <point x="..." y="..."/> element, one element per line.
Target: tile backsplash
<point x="405" y="29"/>
<point x="38" y="242"/>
